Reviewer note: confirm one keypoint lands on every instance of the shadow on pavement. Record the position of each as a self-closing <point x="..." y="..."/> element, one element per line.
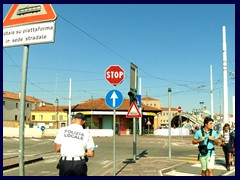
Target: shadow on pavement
<point x="130" y="161"/>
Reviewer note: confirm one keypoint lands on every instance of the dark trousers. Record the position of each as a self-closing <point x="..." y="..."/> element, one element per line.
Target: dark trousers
<point x="73" y="168"/>
<point x="226" y="151"/>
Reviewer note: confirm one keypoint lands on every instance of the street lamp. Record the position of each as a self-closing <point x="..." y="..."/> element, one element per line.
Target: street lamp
<point x="56" y="101"/>
<point x="201" y="104"/>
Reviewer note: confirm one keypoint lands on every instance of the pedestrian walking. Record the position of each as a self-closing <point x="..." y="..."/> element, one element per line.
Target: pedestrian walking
<point x="207" y="138"/>
<point x="224" y="136"/>
<point x="232" y="147"/>
<point x="74" y="142"/>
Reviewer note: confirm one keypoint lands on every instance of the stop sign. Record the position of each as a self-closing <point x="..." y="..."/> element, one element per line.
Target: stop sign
<point x="179" y="109"/>
<point x="114" y="74"/>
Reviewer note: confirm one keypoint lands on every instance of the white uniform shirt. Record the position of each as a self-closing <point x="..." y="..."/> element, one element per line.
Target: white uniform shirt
<point x="74" y="140"/>
<point x="226" y="135"/>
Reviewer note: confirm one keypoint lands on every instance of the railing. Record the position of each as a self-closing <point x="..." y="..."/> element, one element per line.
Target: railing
<point x="193" y="119"/>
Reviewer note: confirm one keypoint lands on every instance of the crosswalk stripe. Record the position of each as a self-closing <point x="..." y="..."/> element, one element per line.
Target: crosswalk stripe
<point x="32" y="139"/>
<point x="216" y="166"/>
<point x="176" y="173"/>
<point x="191" y="159"/>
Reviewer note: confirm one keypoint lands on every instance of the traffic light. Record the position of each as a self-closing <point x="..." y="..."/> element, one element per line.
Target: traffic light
<point x="132" y="96"/>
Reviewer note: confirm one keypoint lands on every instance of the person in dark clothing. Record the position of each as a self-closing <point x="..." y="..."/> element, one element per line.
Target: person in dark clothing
<point x="231" y="146"/>
<point x="224" y="136"/>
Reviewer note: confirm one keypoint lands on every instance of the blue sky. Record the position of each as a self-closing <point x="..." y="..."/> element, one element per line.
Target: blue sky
<point x="172" y="45"/>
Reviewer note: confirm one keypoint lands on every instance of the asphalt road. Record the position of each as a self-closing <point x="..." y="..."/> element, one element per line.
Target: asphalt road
<point x="149" y="146"/>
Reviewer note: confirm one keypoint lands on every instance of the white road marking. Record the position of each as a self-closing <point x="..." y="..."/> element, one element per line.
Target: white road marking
<point x="216" y="166"/>
<point x="104" y="162"/>
<point x="176" y="173"/>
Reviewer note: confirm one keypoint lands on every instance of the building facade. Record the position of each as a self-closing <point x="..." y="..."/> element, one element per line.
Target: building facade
<point x="161" y="119"/>
<point x="11" y="108"/>
<point x="51" y="117"/>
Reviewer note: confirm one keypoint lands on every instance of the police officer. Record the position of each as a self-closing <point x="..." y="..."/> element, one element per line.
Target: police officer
<point x="74" y="142"/>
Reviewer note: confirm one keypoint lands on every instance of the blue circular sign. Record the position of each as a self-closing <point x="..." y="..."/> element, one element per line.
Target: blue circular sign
<point x="42" y="128"/>
<point x="114" y="99"/>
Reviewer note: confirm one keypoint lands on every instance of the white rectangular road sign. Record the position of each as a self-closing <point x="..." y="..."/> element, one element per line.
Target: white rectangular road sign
<point x="29" y="34"/>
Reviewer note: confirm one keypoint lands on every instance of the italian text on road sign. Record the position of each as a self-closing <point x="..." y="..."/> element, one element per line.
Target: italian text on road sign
<point x="114" y="99"/>
<point x="114" y="74"/>
<point x="133" y="111"/>
<point x="20" y="14"/>
<point x="29" y="34"/>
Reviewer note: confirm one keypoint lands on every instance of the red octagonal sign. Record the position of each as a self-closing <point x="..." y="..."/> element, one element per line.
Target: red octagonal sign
<point x="179" y="109"/>
<point x="114" y="74"/>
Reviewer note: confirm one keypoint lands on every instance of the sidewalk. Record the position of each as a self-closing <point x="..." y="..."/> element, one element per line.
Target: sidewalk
<point x="145" y="166"/>
<point x="160" y="166"/>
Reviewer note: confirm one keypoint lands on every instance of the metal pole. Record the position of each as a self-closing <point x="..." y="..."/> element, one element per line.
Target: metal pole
<point x="225" y="82"/>
<point x="69" y="101"/>
<point x="114" y="140"/>
<point x="91" y="111"/>
<point x="169" y="123"/>
<point x="134" y="140"/>
<point x="140" y="108"/>
<point x="211" y="91"/>
<point x="180" y="126"/>
<point x="57" y="115"/>
<point x="22" y="111"/>
<point x="233" y="107"/>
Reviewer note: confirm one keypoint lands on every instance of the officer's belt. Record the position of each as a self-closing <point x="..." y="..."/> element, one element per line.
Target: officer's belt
<point x="68" y="158"/>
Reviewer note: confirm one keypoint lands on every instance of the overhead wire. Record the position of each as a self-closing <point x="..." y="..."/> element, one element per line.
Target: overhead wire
<point x="114" y="52"/>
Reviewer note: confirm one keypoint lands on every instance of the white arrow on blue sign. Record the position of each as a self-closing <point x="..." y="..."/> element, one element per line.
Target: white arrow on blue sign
<point x="139" y="98"/>
<point x="114" y="99"/>
<point x="42" y="128"/>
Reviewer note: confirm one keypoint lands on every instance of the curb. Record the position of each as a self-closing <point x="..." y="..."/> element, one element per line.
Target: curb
<point x="10" y="166"/>
<point x="164" y="170"/>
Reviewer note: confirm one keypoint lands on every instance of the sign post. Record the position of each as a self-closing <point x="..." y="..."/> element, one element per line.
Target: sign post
<point x="14" y="35"/>
<point x="114" y="75"/>
<point x="132" y="94"/>
<point x="180" y="121"/>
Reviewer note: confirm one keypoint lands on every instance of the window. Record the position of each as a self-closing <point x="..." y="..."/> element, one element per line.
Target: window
<point x="53" y="117"/>
<point x="16" y="118"/>
<point x="61" y="117"/>
<point x="4" y="103"/>
<point x="33" y="117"/>
<point x="16" y="105"/>
<point x="41" y="117"/>
<point x="27" y="105"/>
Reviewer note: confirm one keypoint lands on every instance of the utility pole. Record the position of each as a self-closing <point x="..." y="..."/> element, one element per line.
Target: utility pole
<point x="140" y="108"/>
<point x="91" y="111"/>
<point x="211" y="91"/>
<point x="169" y="124"/>
<point x="57" y="112"/>
<point x="69" y="101"/>
<point x="225" y="82"/>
